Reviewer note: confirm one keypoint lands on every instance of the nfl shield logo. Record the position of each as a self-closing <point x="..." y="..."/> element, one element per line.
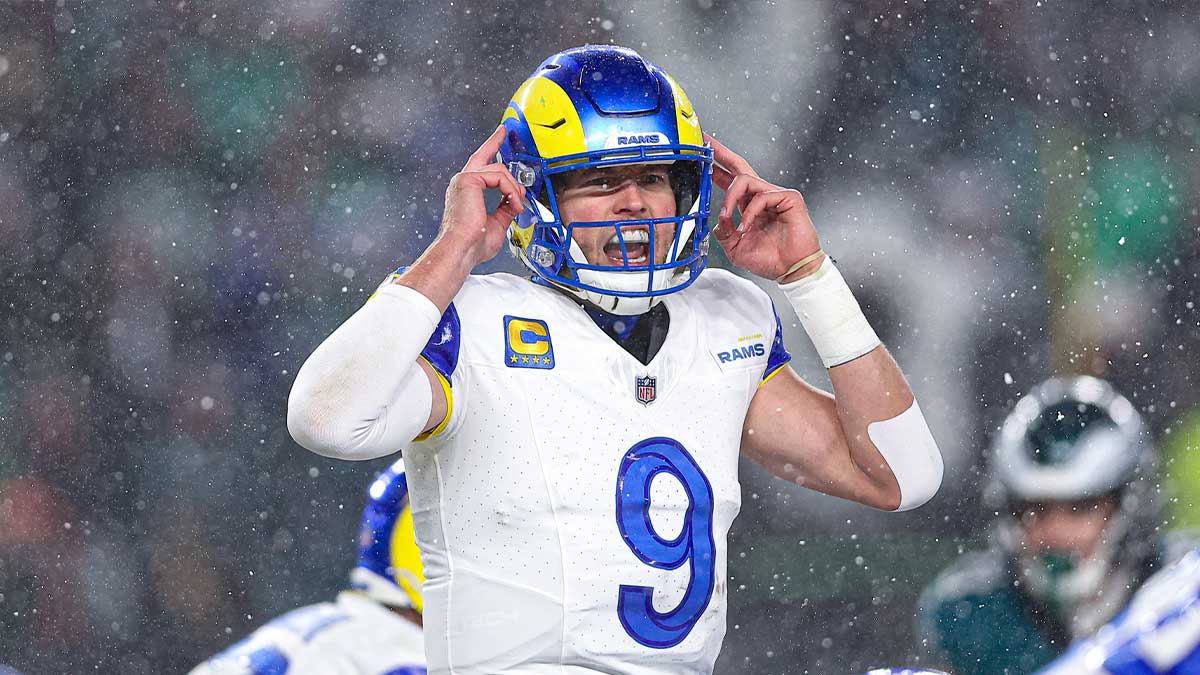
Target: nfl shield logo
<point x="646" y="389"/>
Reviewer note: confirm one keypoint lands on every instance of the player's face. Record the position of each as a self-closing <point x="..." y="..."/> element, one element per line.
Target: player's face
<point x="1074" y="528"/>
<point x="628" y="192"/>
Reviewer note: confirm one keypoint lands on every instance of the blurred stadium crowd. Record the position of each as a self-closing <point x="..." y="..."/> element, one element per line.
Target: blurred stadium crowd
<point x="192" y="195"/>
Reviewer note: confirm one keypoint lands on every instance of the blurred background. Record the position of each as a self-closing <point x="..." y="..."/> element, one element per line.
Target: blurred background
<point x="193" y="195"/>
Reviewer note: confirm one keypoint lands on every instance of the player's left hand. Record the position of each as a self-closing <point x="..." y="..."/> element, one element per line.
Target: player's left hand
<point x="776" y="230"/>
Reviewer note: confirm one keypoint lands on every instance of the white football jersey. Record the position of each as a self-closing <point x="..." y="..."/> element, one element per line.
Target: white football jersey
<point x="352" y="636"/>
<point x="572" y="510"/>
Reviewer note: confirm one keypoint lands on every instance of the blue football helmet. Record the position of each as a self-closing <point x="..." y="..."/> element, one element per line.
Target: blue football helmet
<point x="601" y="106"/>
<point x="389" y="566"/>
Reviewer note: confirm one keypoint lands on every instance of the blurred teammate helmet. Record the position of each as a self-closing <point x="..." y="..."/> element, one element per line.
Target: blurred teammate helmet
<point x="1075" y="439"/>
<point x="389" y="563"/>
<point x="600" y="106"/>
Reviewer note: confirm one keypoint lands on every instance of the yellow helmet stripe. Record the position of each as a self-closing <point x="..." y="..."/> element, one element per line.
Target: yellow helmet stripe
<point x="449" y="392"/>
<point x="685" y="116"/>
<point x="406" y="559"/>
<point x="550" y="116"/>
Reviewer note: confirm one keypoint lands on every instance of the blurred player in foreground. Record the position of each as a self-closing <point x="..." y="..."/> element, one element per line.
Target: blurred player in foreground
<point x="1075" y="484"/>
<point x="373" y="629"/>
<point x="577" y="433"/>
<point x="1158" y="634"/>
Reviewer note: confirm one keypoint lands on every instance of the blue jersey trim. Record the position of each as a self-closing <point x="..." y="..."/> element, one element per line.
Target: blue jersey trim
<point x="441" y="351"/>
<point x="256" y="657"/>
<point x="779" y="355"/>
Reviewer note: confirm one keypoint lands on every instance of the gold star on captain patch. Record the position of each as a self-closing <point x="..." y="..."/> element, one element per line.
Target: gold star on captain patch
<point x="513" y="358"/>
<point x="546" y="360"/>
<point x="524" y="359"/>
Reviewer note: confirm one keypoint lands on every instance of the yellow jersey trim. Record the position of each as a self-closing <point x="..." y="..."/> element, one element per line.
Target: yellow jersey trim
<point x="773" y="373"/>
<point x="449" y="404"/>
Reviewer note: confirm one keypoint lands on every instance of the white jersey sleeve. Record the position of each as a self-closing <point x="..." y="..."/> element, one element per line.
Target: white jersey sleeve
<point x="573" y="509"/>
<point x="354" y="636"/>
<point x="1157" y="634"/>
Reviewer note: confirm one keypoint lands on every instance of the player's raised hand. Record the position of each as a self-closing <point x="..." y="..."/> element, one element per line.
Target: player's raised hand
<point x="775" y="231"/>
<point x="479" y="235"/>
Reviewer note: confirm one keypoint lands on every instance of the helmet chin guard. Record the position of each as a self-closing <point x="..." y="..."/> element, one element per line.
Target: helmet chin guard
<point x="603" y="106"/>
<point x="622" y="289"/>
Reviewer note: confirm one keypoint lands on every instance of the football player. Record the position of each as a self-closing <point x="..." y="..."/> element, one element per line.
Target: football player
<point x="572" y="437"/>
<point x="1158" y="634"/>
<point x="374" y="628"/>
<point x="1075" y="485"/>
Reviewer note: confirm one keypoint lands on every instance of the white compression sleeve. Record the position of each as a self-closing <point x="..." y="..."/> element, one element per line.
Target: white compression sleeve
<point x="361" y="394"/>
<point x="911" y="453"/>
<point x="830" y="315"/>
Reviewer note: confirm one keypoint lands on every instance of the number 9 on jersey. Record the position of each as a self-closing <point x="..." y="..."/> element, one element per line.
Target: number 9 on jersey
<point x="694" y="545"/>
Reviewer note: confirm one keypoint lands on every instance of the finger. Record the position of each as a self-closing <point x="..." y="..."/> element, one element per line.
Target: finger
<point x="728" y="238"/>
<point x="723" y="180"/>
<point x="722" y="177"/>
<point x="760" y="202"/>
<point x="497" y="177"/>
<point x="513" y="201"/>
<point x="739" y="193"/>
<point x="733" y="193"/>
<point x="724" y="229"/>
<point x="505" y="213"/>
<point x="486" y="154"/>
<point x="729" y="159"/>
<point x="468" y="188"/>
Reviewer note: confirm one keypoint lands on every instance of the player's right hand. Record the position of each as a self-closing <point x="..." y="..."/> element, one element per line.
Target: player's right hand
<point x="466" y="223"/>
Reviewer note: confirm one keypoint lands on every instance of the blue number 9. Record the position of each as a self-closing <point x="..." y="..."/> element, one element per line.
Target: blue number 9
<point x="694" y="545"/>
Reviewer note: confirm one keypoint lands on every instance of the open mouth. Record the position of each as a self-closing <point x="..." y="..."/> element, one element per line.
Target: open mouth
<point x="637" y="248"/>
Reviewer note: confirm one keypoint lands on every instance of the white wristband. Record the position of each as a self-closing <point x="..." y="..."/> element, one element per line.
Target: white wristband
<point x="830" y="315"/>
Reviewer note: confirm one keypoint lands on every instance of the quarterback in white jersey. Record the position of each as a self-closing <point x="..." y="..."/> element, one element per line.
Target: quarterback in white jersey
<point x="373" y="629"/>
<point x="572" y="439"/>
